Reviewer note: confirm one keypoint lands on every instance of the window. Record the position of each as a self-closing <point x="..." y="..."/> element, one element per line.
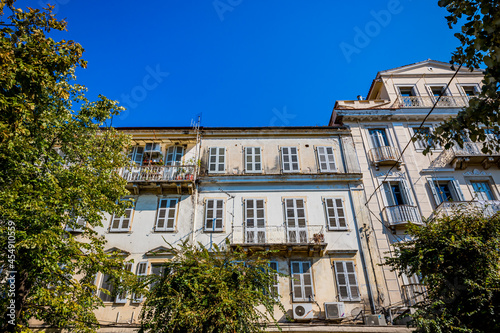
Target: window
<point x="255" y="221"/>
<point x="302" y="284"/>
<point x="295" y="220"/>
<point x="79" y="225"/>
<point x="326" y="159"/>
<point x="158" y="270"/>
<point x="436" y="91"/>
<point x="347" y="282"/>
<point x="253" y="159"/>
<point x="174" y="155"/>
<point x="135" y="154"/>
<point x="275" y="291"/>
<point x="106" y="285"/>
<point x="335" y="214"/>
<point x="470" y="90"/>
<point x="216" y="160"/>
<point x="122" y="297"/>
<point x="142" y="271"/>
<point x="397" y="193"/>
<point x="414" y="291"/>
<point x="491" y="135"/>
<point x="407" y="91"/>
<point x="378" y="137"/>
<point x="290" y="159"/>
<point x="408" y="96"/>
<point x="445" y="190"/>
<point x="122" y="223"/>
<point x="482" y="191"/>
<point x="165" y="217"/>
<point x="214" y="215"/>
<point x="425" y="141"/>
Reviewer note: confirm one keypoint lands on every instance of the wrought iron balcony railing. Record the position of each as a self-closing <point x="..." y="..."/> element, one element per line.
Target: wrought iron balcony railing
<point x="310" y="234"/>
<point x="401" y="214"/>
<point x="159" y="173"/>
<point x="428" y="101"/>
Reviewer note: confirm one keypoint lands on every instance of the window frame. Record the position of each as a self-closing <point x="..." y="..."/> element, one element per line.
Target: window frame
<point x="329" y="158"/>
<point x="121" y="218"/>
<point x="253" y="156"/>
<point x="205" y="218"/>
<point x="348" y="285"/>
<point x="218" y="157"/>
<point x="275" y="291"/>
<point x="255" y="228"/>
<point x="139" y="298"/>
<point x="417" y="145"/>
<point x="174" y="155"/>
<point x="166" y="217"/>
<point x="475" y="195"/>
<point x="296" y="227"/>
<point x="302" y="285"/>
<point x="461" y="89"/>
<point x="336" y="217"/>
<point x="455" y="190"/>
<point x="290" y="156"/>
<point x="122" y="297"/>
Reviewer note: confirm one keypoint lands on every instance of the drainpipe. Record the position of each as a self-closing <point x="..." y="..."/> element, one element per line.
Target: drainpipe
<point x="358" y="236"/>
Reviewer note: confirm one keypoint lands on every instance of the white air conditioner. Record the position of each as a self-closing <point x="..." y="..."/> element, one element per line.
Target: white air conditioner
<point x="375" y="320"/>
<point x="334" y="310"/>
<point x="303" y="311"/>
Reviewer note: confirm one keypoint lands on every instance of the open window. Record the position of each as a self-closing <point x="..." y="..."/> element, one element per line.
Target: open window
<point x="445" y="189"/>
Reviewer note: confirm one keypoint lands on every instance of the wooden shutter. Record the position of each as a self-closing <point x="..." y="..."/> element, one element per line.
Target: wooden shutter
<point x="406" y="192"/>
<point x="275" y="288"/>
<point x="347" y="283"/>
<point x="295" y="218"/>
<point x="214" y="215"/>
<point x="290" y="159"/>
<point x="335" y="213"/>
<point x="165" y="219"/>
<point x="435" y="191"/>
<point x="341" y="281"/>
<point x="352" y="280"/>
<point x="326" y="159"/>
<point x="389" y="196"/>
<point x="302" y="284"/>
<point x="142" y="270"/>
<point x="122" y="297"/>
<point x="174" y="155"/>
<point x="106" y="285"/>
<point x="253" y="159"/>
<point x="217" y="160"/>
<point x="255" y="222"/>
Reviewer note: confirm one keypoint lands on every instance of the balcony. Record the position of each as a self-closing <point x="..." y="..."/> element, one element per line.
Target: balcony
<point x="470" y="154"/>
<point x="385" y="155"/>
<point x="401" y="215"/>
<point x="414" y="294"/>
<point x="488" y="208"/>
<point x="428" y="102"/>
<point x="308" y="239"/>
<point x="162" y="176"/>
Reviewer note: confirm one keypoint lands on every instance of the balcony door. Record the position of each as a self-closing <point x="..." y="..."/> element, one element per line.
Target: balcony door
<point x="378" y="137"/>
<point x="255" y="222"/>
<point x="295" y="219"/>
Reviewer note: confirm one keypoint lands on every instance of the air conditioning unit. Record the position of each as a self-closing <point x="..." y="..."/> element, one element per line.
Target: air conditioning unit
<point x="375" y="320"/>
<point x="334" y="310"/>
<point x="303" y="311"/>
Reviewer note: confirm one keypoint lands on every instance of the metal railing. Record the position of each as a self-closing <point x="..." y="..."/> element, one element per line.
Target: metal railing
<point x="383" y="154"/>
<point x="470" y="149"/>
<point x="414" y="294"/>
<point x="428" y="101"/>
<point x="310" y="234"/>
<point x="487" y="207"/>
<point x="401" y="214"/>
<point x="159" y="173"/>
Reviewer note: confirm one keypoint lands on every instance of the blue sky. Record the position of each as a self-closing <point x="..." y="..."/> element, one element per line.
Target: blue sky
<point x="242" y="62"/>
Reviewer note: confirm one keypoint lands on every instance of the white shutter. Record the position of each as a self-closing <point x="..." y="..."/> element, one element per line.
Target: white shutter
<point x="253" y="159"/>
<point x="389" y="196"/>
<point x="455" y="187"/>
<point x="214" y="215"/>
<point x="335" y="213"/>
<point x="406" y="193"/>
<point x="122" y="223"/>
<point x="275" y="291"/>
<point x="165" y="218"/>
<point x="106" y="285"/>
<point x="142" y="270"/>
<point x="216" y="160"/>
<point x="290" y="159"/>
<point x="295" y="219"/>
<point x="326" y="159"/>
<point x="302" y="284"/>
<point x="122" y="297"/>
<point x="434" y="190"/>
<point x="347" y="283"/>
<point x="378" y="137"/>
<point x="255" y="222"/>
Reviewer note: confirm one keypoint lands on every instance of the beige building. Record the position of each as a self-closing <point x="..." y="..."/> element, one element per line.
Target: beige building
<point x="401" y="184"/>
<point x="296" y="190"/>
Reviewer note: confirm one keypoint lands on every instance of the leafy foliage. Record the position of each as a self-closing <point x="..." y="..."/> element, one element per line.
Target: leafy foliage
<point x="480" y="42"/>
<point x="204" y="291"/>
<point x="459" y="260"/>
<point x="56" y="164"/>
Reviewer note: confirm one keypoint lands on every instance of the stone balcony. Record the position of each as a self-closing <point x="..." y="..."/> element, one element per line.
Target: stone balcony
<point x="180" y="177"/>
<point x="428" y="101"/>
<point x="469" y="154"/>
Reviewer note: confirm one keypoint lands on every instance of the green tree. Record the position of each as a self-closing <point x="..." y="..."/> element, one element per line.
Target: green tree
<point x="479" y="36"/>
<point x="458" y="260"/>
<point x="56" y="165"/>
<point x="211" y="291"/>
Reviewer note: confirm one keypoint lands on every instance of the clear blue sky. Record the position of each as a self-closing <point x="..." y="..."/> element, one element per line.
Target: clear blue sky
<point x="245" y="62"/>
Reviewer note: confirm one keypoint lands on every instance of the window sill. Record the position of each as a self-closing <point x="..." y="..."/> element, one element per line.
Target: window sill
<point x="156" y="231"/>
<point x="344" y="229"/>
<point x="213" y="231"/>
<point x="119" y="232"/>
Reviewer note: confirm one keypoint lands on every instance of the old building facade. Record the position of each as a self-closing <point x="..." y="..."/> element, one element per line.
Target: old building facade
<point x="402" y="185"/>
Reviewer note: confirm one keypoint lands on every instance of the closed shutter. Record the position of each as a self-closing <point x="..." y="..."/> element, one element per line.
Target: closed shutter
<point x="326" y="159"/>
<point x="106" y="285"/>
<point x="275" y="287"/>
<point x="290" y="159"/>
<point x="217" y="160"/>
<point x="122" y="223"/>
<point x="214" y="215"/>
<point x="165" y="219"/>
<point x="122" y="297"/>
<point x="302" y="284"/>
<point x="253" y="159"/>
<point x="347" y="283"/>
<point x="295" y="219"/>
<point x="379" y="138"/>
<point x="255" y="222"/>
<point x="335" y="213"/>
<point x="142" y="270"/>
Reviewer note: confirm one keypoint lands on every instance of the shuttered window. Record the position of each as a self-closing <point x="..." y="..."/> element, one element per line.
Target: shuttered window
<point x="122" y="223"/>
<point x="165" y="217"/>
<point x="378" y="137"/>
<point x="106" y="285"/>
<point x="290" y="159"/>
<point x="141" y="272"/>
<point x="79" y="226"/>
<point x="122" y="297"/>
<point x="347" y="282"/>
<point x="253" y="159"/>
<point x="174" y="155"/>
<point x="158" y="270"/>
<point x="335" y="214"/>
<point x="217" y="160"/>
<point x="295" y="220"/>
<point x="445" y="190"/>
<point x="302" y="283"/>
<point x="214" y="215"/>
<point x="482" y="191"/>
<point x="275" y="291"/>
<point x="397" y="193"/>
<point x="326" y="159"/>
<point x="255" y="221"/>
<point x="135" y="154"/>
